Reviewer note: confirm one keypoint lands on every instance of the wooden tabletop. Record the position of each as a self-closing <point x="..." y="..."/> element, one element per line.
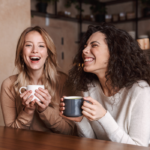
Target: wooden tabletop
<point x="18" y="139"/>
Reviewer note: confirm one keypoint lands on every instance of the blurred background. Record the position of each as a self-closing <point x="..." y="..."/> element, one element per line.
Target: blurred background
<point x="66" y="21"/>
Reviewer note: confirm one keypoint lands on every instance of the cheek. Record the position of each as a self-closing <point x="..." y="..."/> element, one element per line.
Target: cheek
<point x="102" y="56"/>
<point x="45" y="55"/>
<point x="45" y="52"/>
<point x="25" y="51"/>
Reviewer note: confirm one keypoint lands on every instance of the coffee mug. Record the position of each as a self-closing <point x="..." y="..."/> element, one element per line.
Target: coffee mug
<point x="73" y="106"/>
<point x="32" y="88"/>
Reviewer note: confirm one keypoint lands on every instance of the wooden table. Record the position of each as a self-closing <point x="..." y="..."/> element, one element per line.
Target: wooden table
<point x="18" y="139"/>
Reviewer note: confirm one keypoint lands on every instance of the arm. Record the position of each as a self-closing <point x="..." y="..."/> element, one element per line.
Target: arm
<point x="56" y="123"/>
<point x="9" y="109"/>
<point x="139" y="128"/>
<point x="50" y="116"/>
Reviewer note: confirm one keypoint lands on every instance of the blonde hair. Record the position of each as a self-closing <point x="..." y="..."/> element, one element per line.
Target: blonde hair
<point x="50" y="75"/>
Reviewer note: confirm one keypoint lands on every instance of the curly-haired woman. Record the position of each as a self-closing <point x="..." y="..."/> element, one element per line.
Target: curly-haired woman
<point x="115" y="79"/>
<point x="36" y="63"/>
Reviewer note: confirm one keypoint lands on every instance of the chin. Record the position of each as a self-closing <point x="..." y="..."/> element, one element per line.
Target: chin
<point x="86" y="69"/>
<point x="35" y="68"/>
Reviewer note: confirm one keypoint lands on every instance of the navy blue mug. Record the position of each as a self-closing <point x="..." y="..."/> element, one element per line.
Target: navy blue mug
<point x="73" y="106"/>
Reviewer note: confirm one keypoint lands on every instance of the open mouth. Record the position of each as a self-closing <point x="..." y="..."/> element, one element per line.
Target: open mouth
<point x="35" y="59"/>
<point x="88" y="59"/>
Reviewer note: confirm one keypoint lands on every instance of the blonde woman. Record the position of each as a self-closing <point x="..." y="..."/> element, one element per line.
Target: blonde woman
<point x="36" y="63"/>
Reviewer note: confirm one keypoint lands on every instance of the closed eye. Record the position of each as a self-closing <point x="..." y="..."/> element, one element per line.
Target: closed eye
<point x="41" y="46"/>
<point x="28" y="45"/>
<point x="94" y="45"/>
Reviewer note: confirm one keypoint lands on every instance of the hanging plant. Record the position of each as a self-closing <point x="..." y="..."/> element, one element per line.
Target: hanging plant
<point x="146" y="9"/>
<point x="75" y="2"/>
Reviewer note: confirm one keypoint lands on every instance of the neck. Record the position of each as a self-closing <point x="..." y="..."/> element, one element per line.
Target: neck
<point x="36" y="76"/>
<point x="102" y="79"/>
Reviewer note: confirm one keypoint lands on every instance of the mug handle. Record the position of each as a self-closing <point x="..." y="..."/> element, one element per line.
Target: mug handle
<point x="21" y="89"/>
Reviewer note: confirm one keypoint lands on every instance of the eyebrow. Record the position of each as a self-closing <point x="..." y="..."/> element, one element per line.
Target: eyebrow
<point x="94" y="42"/>
<point x="31" y="42"/>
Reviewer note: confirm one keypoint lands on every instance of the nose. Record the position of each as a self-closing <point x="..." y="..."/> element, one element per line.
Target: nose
<point x="86" y="50"/>
<point x="34" y="49"/>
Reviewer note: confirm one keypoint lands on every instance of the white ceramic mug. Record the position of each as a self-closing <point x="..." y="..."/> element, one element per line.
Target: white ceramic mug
<point x="32" y="88"/>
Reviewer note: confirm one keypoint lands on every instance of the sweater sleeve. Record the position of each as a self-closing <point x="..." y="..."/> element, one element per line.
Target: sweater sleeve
<point x="139" y="128"/>
<point x="9" y="109"/>
<point x="55" y="122"/>
<point x="84" y="129"/>
<point x="51" y="116"/>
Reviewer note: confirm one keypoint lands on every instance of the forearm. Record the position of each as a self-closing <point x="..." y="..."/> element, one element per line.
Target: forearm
<point x="23" y="120"/>
<point x="116" y="134"/>
<point x="56" y="123"/>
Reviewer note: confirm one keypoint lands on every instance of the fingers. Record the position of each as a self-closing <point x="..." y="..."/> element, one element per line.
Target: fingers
<point x="26" y="98"/>
<point x="90" y="99"/>
<point x="27" y="102"/>
<point x="26" y="94"/>
<point x="61" y="104"/>
<point x="61" y="108"/>
<point x="88" y="110"/>
<point x="41" y="98"/>
<point x="32" y="103"/>
<point x="41" y="105"/>
<point x="61" y="113"/>
<point x="88" y="115"/>
<point x="88" y="105"/>
<point x="44" y="93"/>
<point x="62" y="99"/>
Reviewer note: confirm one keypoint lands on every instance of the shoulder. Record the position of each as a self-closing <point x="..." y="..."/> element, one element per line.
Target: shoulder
<point x="62" y="77"/>
<point x="139" y="92"/>
<point x="7" y="89"/>
<point x="9" y="81"/>
<point x="140" y="86"/>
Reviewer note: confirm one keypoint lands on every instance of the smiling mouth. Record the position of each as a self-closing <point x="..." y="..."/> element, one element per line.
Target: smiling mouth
<point x="35" y="59"/>
<point x="88" y="59"/>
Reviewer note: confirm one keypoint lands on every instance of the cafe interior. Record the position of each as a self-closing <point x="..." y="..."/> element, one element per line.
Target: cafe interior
<point x="65" y="21"/>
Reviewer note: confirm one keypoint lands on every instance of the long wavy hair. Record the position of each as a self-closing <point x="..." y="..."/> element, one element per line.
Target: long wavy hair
<point x="127" y="63"/>
<point x="49" y="77"/>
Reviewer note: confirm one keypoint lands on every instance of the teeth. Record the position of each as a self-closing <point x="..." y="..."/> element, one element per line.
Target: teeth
<point x="88" y="59"/>
<point x="34" y="58"/>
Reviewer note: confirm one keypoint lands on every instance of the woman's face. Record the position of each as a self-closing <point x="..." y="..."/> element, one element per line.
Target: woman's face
<point x="96" y="54"/>
<point x="34" y="51"/>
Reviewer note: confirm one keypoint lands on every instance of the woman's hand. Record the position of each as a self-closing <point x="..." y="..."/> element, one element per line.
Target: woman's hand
<point x="93" y="110"/>
<point x="62" y="107"/>
<point x="29" y="106"/>
<point x="44" y="97"/>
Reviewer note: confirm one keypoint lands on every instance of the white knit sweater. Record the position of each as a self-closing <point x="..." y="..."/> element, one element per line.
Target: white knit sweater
<point x="127" y="119"/>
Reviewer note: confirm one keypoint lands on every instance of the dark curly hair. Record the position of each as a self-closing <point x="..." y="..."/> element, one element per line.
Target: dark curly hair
<point x="127" y="63"/>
